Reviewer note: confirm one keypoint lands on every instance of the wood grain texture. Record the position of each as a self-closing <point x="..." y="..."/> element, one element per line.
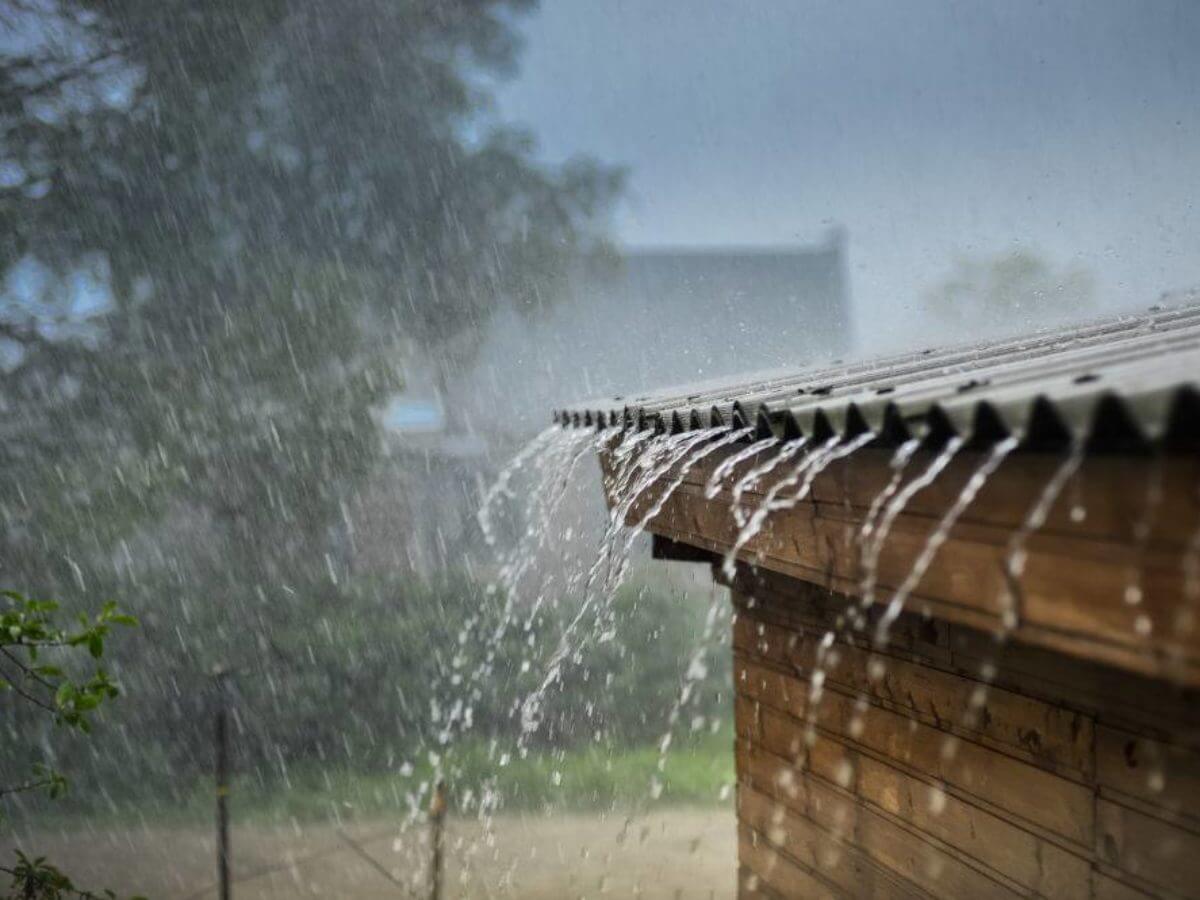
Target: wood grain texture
<point x="891" y="780"/>
<point x="1121" y="522"/>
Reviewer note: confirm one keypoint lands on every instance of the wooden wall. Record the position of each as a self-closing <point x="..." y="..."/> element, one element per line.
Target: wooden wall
<point x="913" y="776"/>
<point x="1073" y="595"/>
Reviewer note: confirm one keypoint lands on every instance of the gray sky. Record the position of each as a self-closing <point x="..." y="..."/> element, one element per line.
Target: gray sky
<point x="929" y="129"/>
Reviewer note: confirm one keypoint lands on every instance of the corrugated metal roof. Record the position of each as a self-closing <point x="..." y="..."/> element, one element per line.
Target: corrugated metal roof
<point x="1121" y="384"/>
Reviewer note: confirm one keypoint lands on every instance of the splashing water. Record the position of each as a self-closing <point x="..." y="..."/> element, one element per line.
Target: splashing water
<point x="940" y="534"/>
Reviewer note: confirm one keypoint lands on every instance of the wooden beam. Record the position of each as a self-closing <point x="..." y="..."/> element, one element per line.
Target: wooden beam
<point x="662" y="547"/>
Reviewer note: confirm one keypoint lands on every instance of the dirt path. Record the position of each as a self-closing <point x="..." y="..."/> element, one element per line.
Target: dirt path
<point x="672" y="854"/>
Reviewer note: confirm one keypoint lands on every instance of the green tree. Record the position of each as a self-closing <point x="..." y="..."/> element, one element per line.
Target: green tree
<point x="1010" y="291"/>
<point x="36" y="661"/>
<point x="272" y="197"/>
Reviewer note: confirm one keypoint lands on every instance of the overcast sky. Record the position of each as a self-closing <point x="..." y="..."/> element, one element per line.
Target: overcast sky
<point x="928" y="129"/>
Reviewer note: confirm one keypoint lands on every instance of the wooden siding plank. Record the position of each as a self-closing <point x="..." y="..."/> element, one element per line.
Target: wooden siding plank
<point x="1109" y="888"/>
<point x="1045" y="733"/>
<point x="838" y="862"/>
<point x="909" y="857"/>
<point x="1162" y="775"/>
<point x="1030" y="793"/>
<point x="1005" y="849"/>
<point x="1148" y="848"/>
<point x="768" y="867"/>
<point x="1118" y="822"/>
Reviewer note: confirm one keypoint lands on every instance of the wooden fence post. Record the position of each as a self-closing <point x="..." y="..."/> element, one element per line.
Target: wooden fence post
<point x="437" y="818"/>
<point x="221" y="776"/>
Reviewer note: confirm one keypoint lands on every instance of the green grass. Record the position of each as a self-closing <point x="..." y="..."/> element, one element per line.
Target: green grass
<point x="697" y="772"/>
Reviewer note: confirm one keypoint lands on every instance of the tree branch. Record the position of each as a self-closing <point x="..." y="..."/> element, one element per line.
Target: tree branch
<point x="20" y="691"/>
<point x="27" y="786"/>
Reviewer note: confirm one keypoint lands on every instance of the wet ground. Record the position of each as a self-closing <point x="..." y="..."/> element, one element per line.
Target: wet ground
<point x="672" y="854"/>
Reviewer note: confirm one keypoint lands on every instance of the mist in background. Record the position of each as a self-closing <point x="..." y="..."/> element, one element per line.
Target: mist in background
<point x="932" y="132"/>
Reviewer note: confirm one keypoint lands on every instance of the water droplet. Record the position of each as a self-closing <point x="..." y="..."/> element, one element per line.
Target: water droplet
<point x="949" y="748"/>
<point x="937" y="801"/>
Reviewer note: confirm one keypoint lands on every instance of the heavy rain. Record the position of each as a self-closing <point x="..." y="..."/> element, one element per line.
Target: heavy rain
<point x="483" y="448"/>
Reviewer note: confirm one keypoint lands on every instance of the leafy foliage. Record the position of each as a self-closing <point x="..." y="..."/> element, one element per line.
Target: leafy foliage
<point x="280" y="204"/>
<point x="1009" y="291"/>
<point x="37" y="879"/>
<point x="29" y="636"/>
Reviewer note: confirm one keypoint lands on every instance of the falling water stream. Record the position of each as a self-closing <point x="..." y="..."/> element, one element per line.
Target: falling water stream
<point x="550" y="460"/>
<point x="713" y="486"/>
<point x="617" y="575"/>
<point x="751" y="526"/>
<point x="939" y="535"/>
<point x="1143" y="528"/>
<point x="661" y="455"/>
<point x="1016" y="554"/>
<point x="892" y="510"/>
<point x="756" y="474"/>
<point x="499" y="488"/>
<point x="641" y="462"/>
<point x="898" y="465"/>
<point x="892" y="500"/>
